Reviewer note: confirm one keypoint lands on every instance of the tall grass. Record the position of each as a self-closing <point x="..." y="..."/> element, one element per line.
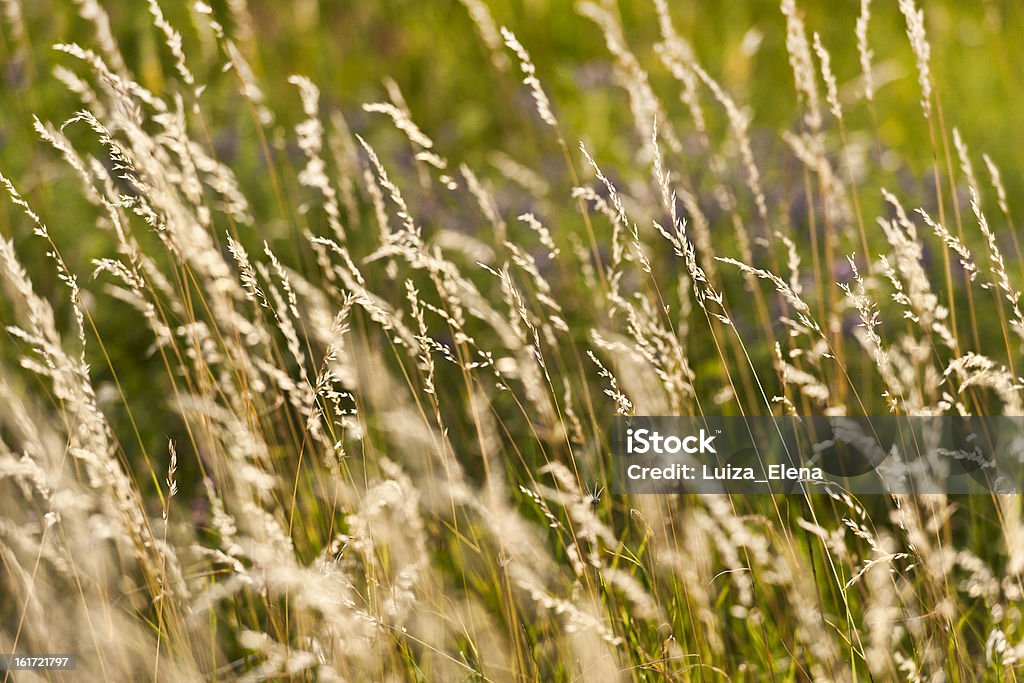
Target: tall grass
<point x="357" y="425"/>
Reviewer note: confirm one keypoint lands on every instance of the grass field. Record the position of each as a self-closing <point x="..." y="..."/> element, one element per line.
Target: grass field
<point x="317" y="316"/>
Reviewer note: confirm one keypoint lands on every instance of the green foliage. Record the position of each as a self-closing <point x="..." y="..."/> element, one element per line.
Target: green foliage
<point x="388" y="390"/>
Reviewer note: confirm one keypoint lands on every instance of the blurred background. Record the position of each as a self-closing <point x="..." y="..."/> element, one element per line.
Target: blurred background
<point x="458" y="95"/>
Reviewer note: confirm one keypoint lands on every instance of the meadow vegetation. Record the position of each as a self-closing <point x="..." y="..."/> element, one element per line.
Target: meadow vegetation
<point x="316" y="319"/>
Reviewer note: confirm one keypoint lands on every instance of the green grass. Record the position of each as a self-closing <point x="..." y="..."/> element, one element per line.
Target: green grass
<point x="390" y="400"/>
